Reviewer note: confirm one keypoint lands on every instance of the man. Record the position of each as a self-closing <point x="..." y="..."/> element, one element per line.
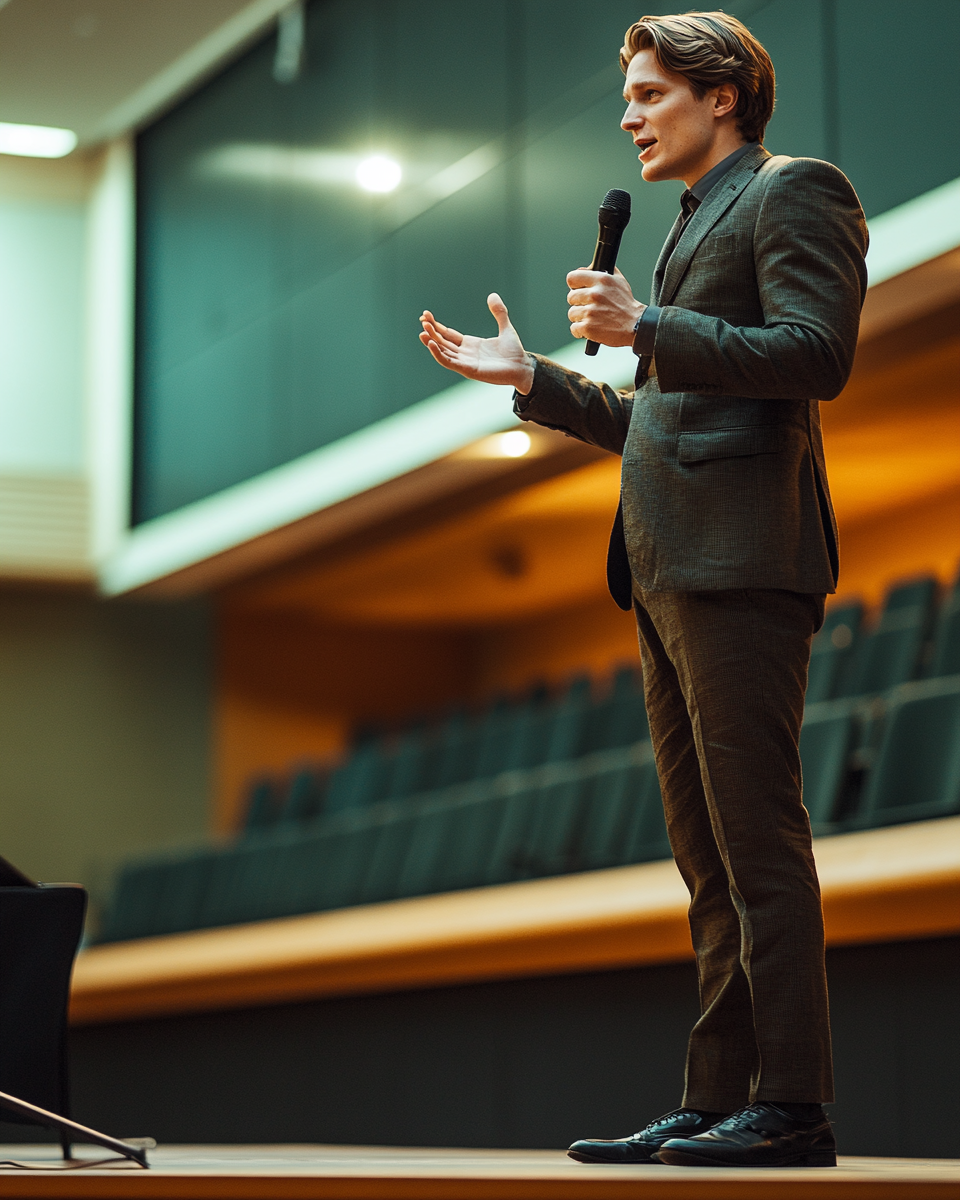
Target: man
<point x="725" y="546"/>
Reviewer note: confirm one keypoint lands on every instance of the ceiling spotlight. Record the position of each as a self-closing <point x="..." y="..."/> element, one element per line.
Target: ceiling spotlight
<point x="514" y="443"/>
<point x="36" y="141"/>
<point x="379" y="173"/>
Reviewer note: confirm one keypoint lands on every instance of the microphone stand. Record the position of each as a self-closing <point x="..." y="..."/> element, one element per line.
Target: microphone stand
<point x="71" y="1131"/>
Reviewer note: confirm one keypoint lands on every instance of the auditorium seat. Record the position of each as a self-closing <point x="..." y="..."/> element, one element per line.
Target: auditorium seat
<point x="407" y="765"/>
<point x="262" y="807"/>
<point x="945" y="649"/>
<point x="645" y="831"/>
<point x="359" y="780"/>
<point x="891" y="653"/>
<point x="619" y="718"/>
<point x="507" y="860"/>
<point x="916" y="773"/>
<point x="608" y="800"/>
<point x="455" y="748"/>
<point x="469" y="847"/>
<point x="384" y="865"/>
<point x="548" y="843"/>
<point x="305" y="797"/>
<point x="831" y="651"/>
<point x="549" y="783"/>
<point x="158" y="897"/>
<point x="133" y="904"/>
<point x="826" y="744"/>
<point x="429" y="852"/>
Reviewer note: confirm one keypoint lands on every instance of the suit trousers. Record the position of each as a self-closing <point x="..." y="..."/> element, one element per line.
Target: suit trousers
<point x="724" y="677"/>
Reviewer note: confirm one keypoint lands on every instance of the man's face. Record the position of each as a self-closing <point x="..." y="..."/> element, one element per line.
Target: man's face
<point x="671" y="127"/>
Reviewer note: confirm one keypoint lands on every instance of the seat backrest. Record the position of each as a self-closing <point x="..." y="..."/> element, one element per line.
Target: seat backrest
<point x="134" y="903"/>
<point x="526" y="734"/>
<point x="436" y="846"/>
<point x="607" y="805"/>
<point x="471" y="834"/>
<point x="645" y="832"/>
<point x="826" y="742"/>
<point x="890" y="653"/>
<point x="305" y="796"/>
<point x="456" y="749"/>
<point x="916" y="773"/>
<point x="619" y="718"/>
<point x="548" y="846"/>
<point x="263" y="805"/>
<point x="945" y="659"/>
<point x="831" y="651"/>
<point x="570" y="718"/>
<point x="407" y="764"/>
<point x="183" y="886"/>
<point x="495" y="729"/>
<point x="360" y="780"/>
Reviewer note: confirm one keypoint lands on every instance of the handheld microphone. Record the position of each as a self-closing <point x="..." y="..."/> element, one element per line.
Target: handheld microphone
<point x="614" y="216"/>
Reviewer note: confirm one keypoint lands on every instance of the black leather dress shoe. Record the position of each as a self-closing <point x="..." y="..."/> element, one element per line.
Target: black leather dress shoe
<point x="760" y="1135"/>
<point x="641" y="1147"/>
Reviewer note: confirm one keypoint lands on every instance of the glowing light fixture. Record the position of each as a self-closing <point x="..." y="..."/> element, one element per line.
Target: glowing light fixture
<point x="36" y="141"/>
<point x="379" y="173"/>
<point x="514" y="443"/>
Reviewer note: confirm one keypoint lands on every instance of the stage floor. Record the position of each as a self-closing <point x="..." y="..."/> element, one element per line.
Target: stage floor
<point x="387" y="1173"/>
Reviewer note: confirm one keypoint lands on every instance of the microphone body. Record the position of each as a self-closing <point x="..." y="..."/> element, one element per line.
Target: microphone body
<point x="613" y="217"/>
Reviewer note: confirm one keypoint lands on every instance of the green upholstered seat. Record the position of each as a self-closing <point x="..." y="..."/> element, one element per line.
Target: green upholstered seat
<point x="916" y="771"/>
<point x="831" y="651"/>
<point x="945" y="651"/>
<point x="827" y="741"/>
<point x="891" y="652"/>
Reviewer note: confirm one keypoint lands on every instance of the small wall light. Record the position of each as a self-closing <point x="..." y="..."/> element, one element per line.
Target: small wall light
<point x="514" y="443"/>
<point x="36" y="141"/>
<point x="379" y="173"/>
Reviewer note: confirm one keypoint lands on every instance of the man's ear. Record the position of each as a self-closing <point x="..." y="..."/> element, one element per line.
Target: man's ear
<point x="725" y="99"/>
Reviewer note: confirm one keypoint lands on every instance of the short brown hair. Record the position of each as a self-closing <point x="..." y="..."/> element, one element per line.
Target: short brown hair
<point x="708" y="49"/>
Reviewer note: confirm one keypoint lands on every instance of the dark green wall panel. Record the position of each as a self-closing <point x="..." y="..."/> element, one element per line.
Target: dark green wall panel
<point x="276" y="316"/>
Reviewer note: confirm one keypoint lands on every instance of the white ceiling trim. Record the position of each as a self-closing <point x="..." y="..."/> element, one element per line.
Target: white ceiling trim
<point x="186" y="71"/>
<point x="914" y="233"/>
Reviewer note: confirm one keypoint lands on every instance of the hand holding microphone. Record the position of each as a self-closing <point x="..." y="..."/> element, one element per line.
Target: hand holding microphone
<point x="602" y="306"/>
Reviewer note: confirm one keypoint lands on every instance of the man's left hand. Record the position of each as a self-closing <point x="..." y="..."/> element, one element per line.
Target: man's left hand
<point x="602" y="307"/>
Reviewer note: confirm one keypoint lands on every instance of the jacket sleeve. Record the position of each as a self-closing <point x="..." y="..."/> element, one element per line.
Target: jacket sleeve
<point x="592" y="412"/>
<point x="809" y="245"/>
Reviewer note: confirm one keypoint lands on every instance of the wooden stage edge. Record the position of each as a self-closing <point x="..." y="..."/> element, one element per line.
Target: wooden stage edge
<point x="387" y="1173"/>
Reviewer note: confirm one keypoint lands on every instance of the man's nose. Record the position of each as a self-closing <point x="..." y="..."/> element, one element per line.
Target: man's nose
<point x="631" y="119"/>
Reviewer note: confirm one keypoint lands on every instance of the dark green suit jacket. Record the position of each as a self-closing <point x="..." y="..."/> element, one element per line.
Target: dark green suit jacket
<point x="723" y="482"/>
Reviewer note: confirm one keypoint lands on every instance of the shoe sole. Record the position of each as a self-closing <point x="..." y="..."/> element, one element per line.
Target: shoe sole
<point x="677" y="1158"/>
<point x="605" y="1162"/>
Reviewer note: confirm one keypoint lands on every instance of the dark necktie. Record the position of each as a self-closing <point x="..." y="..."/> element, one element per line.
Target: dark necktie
<point x="688" y="206"/>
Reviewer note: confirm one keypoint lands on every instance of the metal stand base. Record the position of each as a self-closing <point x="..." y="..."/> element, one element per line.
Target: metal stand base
<point x="71" y="1131"/>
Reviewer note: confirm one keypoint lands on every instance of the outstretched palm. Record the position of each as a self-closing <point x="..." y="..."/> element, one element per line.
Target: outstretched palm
<point x="500" y="360"/>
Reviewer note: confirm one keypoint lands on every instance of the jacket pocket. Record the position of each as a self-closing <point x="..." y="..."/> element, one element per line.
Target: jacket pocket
<point x="700" y="446"/>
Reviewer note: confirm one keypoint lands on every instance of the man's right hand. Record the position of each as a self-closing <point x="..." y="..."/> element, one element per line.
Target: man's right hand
<point x="501" y="360"/>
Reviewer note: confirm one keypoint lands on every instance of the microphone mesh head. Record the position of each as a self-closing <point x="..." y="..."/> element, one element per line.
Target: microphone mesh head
<point x="615" y="209"/>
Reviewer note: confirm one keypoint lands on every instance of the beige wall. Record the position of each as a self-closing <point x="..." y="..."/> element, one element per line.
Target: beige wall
<point x="104" y="732"/>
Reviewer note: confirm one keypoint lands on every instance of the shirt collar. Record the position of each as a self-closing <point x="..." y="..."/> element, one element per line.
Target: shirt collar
<point x="707" y="182"/>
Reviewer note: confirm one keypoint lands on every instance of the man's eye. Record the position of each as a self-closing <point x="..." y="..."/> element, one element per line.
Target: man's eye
<point x="652" y="93"/>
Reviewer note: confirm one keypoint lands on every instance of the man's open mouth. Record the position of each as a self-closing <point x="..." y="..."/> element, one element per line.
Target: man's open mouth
<point x="643" y="147"/>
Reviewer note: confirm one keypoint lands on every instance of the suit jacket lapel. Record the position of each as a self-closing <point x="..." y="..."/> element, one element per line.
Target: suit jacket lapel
<point x="721" y="196"/>
<point x="663" y="260"/>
